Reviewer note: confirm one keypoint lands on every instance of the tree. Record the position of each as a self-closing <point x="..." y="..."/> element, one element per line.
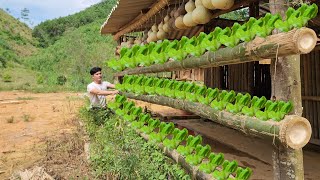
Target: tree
<point x="25" y="14"/>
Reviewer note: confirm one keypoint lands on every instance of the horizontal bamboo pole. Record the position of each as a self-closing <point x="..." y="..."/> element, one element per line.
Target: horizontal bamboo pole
<point x="173" y="154"/>
<point x="297" y="41"/>
<point x="293" y="131"/>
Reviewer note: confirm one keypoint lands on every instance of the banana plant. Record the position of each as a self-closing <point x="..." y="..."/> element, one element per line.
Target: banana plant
<point x="215" y="160"/>
<point x="227" y="169"/>
<point x="164" y="130"/>
<point x="191" y="144"/>
<point x="201" y="152"/>
<point x="152" y="124"/>
<point x="178" y="137"/>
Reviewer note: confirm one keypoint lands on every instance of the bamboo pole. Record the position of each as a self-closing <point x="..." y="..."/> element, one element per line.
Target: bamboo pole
<point x="297" y="41"/>
<point x="293" y="131"/>
<point x="286" y="85"/>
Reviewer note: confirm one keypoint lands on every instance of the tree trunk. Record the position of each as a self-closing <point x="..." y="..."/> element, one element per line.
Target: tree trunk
<point x="293" y="42"/>
<point x="286" y="85"/>
<point x="282" y="131"/>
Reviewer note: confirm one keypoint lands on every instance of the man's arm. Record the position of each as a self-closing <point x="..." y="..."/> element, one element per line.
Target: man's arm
<point x="111" y="86"/>
<point x="100" y="92"/>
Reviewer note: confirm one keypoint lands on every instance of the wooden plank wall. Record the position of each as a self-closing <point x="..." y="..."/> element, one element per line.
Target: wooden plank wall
<point x="310" y="81"/>
<point x="251" y="77"/>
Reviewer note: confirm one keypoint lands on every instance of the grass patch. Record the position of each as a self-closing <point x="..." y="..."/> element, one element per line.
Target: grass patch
<point x="25" y="98"/>
<point x="118" y="152"/>
<point x="26" y="117"/>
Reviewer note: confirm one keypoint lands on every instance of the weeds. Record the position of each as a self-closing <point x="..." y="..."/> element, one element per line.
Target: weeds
<point x="10" y="120"/>
<point x="118" y="152"/>
<point x="6" y="78"/>
<point x="26" y="117"/>
<point x="25" y="98"/>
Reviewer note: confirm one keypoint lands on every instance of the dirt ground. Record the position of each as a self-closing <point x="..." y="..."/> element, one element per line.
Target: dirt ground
<point x="32" y="125"/>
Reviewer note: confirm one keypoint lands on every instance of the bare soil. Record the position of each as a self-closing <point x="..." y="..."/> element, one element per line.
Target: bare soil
<point x="39" y="129"/>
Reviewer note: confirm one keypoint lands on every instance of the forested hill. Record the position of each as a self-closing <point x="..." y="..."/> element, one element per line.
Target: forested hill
<point x="50" y="31"/>
<point x="16" y="40"/>
<point x="72" y="45"/>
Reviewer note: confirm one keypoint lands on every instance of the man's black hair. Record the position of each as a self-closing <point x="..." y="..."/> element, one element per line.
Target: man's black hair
<point x="95" y="70"/>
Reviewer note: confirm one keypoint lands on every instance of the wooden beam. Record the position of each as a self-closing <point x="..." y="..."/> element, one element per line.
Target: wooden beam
<point x="311" y="98"/>
<point x="154" y="10"/>
<point x="277" y="45"/>
<point x="285" y="131"/>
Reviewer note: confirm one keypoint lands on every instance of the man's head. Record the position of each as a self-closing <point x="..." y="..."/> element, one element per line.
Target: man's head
<point x="96" y="74"/>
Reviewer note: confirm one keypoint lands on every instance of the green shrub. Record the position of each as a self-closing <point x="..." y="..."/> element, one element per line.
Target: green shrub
<point x="40" y="79"/>
<point x="6" y="77"/>
<point x="61" y="80"/>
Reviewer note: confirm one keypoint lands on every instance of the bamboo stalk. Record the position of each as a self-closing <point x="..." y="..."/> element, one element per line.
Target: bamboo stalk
<point x="286" y="85"/>
<point x="282" y="44"/>
<point x="293" y="131"/>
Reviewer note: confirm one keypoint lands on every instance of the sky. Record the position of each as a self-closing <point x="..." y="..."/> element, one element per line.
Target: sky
<point x="41" y="10"/>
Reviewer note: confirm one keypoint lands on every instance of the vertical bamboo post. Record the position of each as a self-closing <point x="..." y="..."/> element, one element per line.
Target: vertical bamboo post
<point x="286" y="85"/>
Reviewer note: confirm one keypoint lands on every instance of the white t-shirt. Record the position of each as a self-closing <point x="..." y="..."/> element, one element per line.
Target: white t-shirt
<point x="97" y="100"/>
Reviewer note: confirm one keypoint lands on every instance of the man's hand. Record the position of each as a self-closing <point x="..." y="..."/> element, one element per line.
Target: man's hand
<point x="115" y="92"/>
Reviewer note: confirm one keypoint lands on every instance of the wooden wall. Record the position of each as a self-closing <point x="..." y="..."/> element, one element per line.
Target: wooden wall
<point x="310" y="80"/>
<point x="252" y="77"/>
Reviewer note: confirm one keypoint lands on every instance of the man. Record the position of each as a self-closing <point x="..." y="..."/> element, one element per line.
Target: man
<point x="97" y="90"/>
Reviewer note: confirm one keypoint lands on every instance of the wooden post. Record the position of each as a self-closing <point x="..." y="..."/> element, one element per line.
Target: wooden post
<point x="286" y="85"/>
